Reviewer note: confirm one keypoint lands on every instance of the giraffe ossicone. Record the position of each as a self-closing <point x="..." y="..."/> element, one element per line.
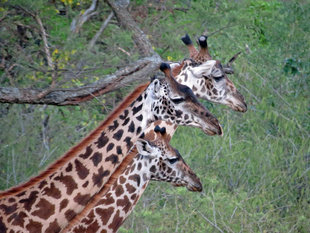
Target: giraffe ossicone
<point x="50" y="200"/>
<point x="154" y="159"/>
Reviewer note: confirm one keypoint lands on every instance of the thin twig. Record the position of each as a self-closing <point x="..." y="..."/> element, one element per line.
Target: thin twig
<point x="103" y="26"/>
<point x="82" y="18"/>
<point x="48" y="57"/>
<point x="212" y="33"/>
<point x="247" y="90"/>
<point x="44" y="38"/>
<point x="209" y="221"/>
<point x="124" y="51"/>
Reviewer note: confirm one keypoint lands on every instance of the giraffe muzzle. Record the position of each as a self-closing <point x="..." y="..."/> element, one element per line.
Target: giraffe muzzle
<point x="239" y="103"/>
<point x="214" y="130"/>
<point x="194" y="187"/>
<point x="242" y="107"/>
<point x="211" y="126"/>
<point x="206" y="121"/>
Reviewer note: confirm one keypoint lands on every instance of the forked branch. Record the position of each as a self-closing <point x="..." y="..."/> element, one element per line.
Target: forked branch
<point x="82" y="18"/>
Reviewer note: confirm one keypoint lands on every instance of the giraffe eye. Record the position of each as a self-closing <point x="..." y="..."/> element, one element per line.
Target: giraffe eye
<point x="177" y="100"/>
<point x="217" y="79"/>
<point x="172" y="161"/>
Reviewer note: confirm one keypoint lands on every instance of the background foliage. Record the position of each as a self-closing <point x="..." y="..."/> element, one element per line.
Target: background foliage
<point x="256" y="177"/>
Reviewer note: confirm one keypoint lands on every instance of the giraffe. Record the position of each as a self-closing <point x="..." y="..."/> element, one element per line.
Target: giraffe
<point x="154" y="159"/>
<point x="188" y="71"/>
<point x="197" y="77"/>
<point x="47" y="202"/>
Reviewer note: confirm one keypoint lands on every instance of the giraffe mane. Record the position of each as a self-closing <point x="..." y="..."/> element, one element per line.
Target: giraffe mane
<point x="76" y="149"/>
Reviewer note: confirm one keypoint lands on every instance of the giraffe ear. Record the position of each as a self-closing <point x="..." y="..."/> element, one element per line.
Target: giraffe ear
<point x="144" y="147"/>
<point x="205" y="68"/>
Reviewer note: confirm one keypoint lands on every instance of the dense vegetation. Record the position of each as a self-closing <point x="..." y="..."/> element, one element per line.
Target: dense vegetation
<point x="256" y="177"/>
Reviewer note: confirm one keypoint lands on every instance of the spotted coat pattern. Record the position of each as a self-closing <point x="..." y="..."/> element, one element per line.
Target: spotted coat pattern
<point x="156" y="160"/>
<point x="48" y="202"/>
<point x="188" y="72"/>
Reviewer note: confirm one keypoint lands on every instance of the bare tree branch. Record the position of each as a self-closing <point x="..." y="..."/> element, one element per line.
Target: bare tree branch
<point x="103" y="26"/>
<point x="82" y="18"/>
<point x="126" y="20"/>
<point x="44" y="38"/>
<point x="137" y="71"/>
<point x="48" y="55"/>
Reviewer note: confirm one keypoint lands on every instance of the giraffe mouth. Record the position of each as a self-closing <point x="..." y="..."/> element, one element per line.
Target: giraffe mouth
<point x="242" y="107"/>
<point x="237" y="102"/>
<point x="206" y="121"/>
<point x="214" y="131"/>
<point x="212" y="127"/>
<point x="195" y="187"/>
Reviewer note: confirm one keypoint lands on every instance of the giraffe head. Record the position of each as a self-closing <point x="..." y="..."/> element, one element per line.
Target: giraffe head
<point x="208" y="80"/>
<point x="177" y="104"/>
<point x="166" y="163"/>
<point x="222" y="90"/>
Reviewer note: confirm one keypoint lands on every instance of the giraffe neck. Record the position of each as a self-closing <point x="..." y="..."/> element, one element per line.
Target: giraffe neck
<point x="117" y="203"/>
<point x="127" y="165"/>
<point x="109" y="209"/>
<point x="51" y="202"/>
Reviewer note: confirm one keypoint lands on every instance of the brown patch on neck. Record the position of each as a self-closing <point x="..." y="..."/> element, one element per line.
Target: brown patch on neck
<point x="192" y="51"/>
<point x="203" y="55"/>
<point x="78" y="148"/>
<point x="177" y="70"/>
